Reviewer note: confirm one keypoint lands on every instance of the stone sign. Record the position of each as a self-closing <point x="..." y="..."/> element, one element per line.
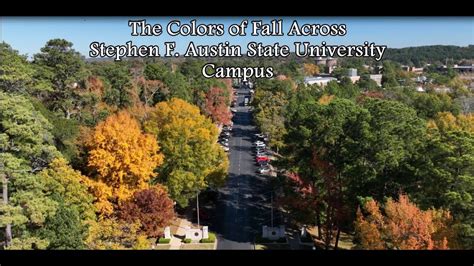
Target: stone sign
<point x="273" y="233"/>
<point x="167" y="232"/>
<point x="193" y="234"/>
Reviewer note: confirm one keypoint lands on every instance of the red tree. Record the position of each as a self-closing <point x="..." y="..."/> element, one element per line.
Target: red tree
<point x="151" y="207"/>
<point x="217" y="105"/>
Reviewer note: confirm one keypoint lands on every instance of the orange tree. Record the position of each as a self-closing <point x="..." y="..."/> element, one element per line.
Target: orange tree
<point x="401" y="225"/>
<point x="123" y="159"/>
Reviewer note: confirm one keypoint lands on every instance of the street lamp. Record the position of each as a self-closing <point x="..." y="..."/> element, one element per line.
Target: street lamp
<point x="197" y="205"/>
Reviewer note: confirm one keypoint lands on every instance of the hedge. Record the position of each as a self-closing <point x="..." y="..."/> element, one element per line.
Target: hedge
<point x="211" y="239"/>
<point x="164" y="240"/>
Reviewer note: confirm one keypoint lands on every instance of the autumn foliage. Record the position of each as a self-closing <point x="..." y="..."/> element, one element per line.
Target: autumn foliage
<point x="123" y="157"/>
<point x="151" y="207"/>
<point x="217" y="105"/>
<point x="401" y="225"/>
<point x="310" y="69"/>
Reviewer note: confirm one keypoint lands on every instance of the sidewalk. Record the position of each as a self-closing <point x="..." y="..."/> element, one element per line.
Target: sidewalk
<point x="175" y="243"/>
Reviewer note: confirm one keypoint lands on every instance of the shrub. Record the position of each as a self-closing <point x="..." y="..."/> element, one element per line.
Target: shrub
<point x="187" y="240"/>
<point x="164" y="240"/>
<point x="211" y="239"/>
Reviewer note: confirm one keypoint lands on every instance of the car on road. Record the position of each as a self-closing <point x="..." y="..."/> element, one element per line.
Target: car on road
<point x="260" y="145"/>
<point x="262" y="159"/>
<point x="264" y="170"/>
<point x="225" y="133"/>
<point x="223" y="143"/>
<point x="226" y="149"/>
<point x="233" y="110"/>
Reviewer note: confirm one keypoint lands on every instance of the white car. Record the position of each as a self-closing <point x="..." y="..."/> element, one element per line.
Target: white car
<point x="233" y="110"/>
<point x="226" y="144"/>
<point x="260" y="145"/>
<point x="259" y="142"/>
<point x="264" y="170"/>
<point x="226" y="149"/>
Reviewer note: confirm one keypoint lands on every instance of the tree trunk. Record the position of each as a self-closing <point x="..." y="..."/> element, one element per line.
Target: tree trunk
<point x="328" y="233"/>
<point x="318" y="223"/>
<point x="337" y="238"/>
<point x="8" y="228"/>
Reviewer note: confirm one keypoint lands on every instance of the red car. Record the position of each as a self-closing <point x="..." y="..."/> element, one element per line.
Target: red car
<point x="262" y="159"/>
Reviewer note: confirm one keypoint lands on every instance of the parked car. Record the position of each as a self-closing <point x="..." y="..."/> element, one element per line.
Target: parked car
<point x="262" y="158"/>
<point x="233" y="110"/>
<point x="260" y="145"/>
<point x="223" y="143"/>
<point x="264" y="170"/>
<point x="226" y="149"/>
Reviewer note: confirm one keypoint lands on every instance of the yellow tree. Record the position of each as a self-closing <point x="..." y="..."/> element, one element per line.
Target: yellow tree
<point x="124" y="159"/>
<point x="193" y="159"/>
<point x="310" y="69"/>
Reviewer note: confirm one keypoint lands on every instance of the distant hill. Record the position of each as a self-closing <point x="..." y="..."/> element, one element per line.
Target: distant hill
<point x="429" y="54"/>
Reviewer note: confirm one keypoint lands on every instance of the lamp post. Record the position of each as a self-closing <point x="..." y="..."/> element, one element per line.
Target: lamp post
<point x="197" y="206"/>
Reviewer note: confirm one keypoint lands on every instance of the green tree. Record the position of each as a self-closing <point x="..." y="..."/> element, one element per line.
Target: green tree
<point x="449" y="180"/>
<point x="390" y="76"/>
<point x="63" y="68"/>
<point x="193" y="159"/>
<point x="118" y="83"/>
<point x="367" y="84"/>
<point x="64" y="230"/>
<point x="269" y="115"/>
<point x="16" y="74"/>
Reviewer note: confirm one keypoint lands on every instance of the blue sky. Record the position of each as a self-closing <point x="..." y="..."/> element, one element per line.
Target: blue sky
<point x="29" y="34"/>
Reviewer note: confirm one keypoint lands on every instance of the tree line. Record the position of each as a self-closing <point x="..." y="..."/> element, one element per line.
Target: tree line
<point x="95" y="155"/>
<point x="389" y="165"/>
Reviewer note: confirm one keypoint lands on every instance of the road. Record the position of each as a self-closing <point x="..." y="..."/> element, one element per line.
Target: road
<point x="243" y="204"/>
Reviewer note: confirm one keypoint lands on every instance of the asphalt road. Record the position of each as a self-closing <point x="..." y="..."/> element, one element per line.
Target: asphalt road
<point x="243" y="204"/>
